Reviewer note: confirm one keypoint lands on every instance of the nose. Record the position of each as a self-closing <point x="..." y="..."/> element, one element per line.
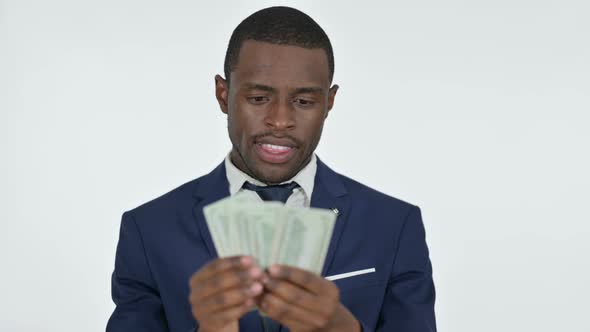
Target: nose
<point x="280" y="116"/>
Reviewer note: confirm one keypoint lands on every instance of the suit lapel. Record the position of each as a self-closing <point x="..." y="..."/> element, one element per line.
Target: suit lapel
<point x="329" y="193"/>
<point x="211" y="188"/>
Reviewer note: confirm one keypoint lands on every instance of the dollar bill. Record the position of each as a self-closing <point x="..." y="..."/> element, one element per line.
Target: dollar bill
<point x="270" y="232"/>
<point x="304" y="239"/>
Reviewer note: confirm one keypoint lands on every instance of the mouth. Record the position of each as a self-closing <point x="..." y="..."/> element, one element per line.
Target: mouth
<point x="275" y="153"/>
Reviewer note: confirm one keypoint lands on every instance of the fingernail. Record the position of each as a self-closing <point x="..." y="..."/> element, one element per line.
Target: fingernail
<point x="265" y="279"/>
<point x="246" y="260"/>
<point x="255" y="272"/>
<point x="255" y="289"/>
<point x="274" y="270"/>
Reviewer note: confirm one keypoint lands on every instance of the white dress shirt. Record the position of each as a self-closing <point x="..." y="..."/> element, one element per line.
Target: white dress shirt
<point x="301" y="196"/>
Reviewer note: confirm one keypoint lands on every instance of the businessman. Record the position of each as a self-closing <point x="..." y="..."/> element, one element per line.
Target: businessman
<point x="276" y="94"/>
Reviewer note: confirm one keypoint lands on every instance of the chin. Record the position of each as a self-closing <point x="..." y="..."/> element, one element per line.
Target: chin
<point x="272" y="175"/>
<point x="269" y="177"/>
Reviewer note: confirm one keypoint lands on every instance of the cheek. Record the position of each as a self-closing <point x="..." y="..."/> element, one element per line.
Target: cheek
<point x="232" y="127"/>
<point x="235" y="129"/>
<point x="313" y="127"/>
<point x="241" y="126"/>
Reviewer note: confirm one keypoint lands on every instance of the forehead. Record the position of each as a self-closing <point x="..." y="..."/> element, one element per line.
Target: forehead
<point x="281" y="65"/>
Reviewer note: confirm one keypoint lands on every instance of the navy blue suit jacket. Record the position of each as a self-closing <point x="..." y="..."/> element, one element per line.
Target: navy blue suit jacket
<point x="163" y="242"/>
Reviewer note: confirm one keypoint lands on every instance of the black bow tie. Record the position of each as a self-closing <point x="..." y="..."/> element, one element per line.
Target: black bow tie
<point x="277" y="193"/>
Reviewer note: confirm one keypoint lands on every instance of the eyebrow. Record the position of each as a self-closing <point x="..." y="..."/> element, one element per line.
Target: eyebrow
<point x="313" y="89"/>
<point x="262" y="87"/>
<point x="255" y="86"/>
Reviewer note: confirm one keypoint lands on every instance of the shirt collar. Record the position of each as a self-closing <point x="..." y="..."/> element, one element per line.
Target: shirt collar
<point x="305" y="178"/>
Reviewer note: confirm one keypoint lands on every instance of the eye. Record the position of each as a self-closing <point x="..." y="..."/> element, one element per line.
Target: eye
<point x="257" y="100"/>
<point x="304" y="102"/>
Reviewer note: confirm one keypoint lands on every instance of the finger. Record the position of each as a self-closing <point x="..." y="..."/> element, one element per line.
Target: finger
<point x="229" y="298"/>
<point x="225" y="316"/>
<point x="304" y="279"/>
<point x="219" y="265"/>
<point x="281" y="311"/>
<point x="297" y="296"/>
<point x="235" y="277"/>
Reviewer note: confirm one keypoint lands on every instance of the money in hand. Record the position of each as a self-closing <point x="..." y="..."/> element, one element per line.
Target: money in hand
<point x="270" y="232"/>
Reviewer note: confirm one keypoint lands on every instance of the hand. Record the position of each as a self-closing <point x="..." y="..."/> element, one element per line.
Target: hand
<point x="223" y="291"/>
<point x="304" y="301"/>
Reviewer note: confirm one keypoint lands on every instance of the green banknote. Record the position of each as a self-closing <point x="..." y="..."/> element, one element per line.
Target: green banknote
<point x="270" y="232"/>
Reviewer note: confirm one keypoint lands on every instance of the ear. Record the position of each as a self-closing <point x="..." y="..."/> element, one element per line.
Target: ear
<point x="221" y="92"/>
<point x="331" y="96"/>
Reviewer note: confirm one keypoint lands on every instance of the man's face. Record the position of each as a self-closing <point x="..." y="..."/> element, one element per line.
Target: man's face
<point x="276" y="103"/>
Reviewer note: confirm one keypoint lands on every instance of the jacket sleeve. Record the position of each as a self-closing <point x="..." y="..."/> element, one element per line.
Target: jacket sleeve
<point x="408" y="304"/>
<point x="134" y="291"/>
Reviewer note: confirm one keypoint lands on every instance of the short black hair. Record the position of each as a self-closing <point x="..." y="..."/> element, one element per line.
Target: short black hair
<point x="278" y="25"/>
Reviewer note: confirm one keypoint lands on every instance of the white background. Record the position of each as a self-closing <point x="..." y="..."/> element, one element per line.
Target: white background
<point x="477" y="111"/>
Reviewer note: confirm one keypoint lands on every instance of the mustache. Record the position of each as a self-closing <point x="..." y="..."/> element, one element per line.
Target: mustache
<point x="293" y="139"/>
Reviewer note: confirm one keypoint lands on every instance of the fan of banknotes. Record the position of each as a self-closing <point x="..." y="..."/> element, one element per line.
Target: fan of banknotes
<point x="270" y="232"/>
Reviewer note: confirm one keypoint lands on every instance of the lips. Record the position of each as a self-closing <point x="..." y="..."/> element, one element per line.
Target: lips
<point x="275" y="151"/>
